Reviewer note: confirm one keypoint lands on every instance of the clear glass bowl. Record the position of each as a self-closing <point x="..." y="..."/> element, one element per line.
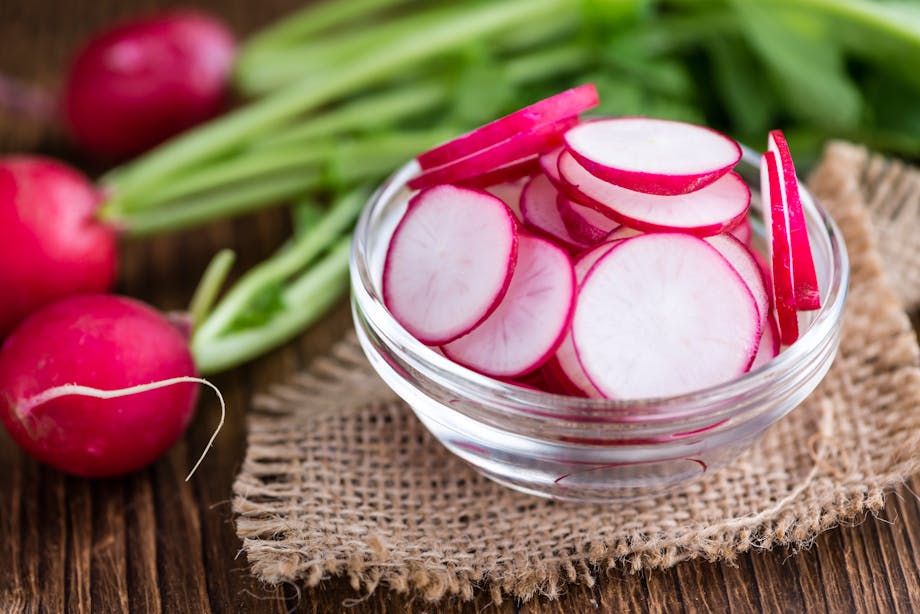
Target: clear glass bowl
<point x="584" y="449"/>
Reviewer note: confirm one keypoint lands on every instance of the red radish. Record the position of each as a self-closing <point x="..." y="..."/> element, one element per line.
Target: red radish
<point x="560" y="106"/>
<point x="527" y="326"/>
<point x="663" y="314"/>
<point x="656" y="156"/>
<point x="778" y="250"/>
<point x="768" y="349"/>
<point x="449" y="262"/>
<point x="96" y="385"/>
<point x="742" y="231"/>
<point x="585" y="224"/>
<point x="504" y="174"/>
<point x="50" y="243"/>
<point x="540" y="211"/>
<point x="139" y="83"/>
<point x="510" y="194"/>
<point x="512" y="151"/>
<point x="807" y="296"/>
<point x="746" y="265"/>
<point x="707" y="211"/>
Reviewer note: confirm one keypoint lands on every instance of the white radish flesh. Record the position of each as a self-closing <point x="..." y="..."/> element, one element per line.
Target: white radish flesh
<point x="707" y="211"/>
<point x="805" y="279"/>
<point x="652" y="307"/>
<point x="779" y="255"/>
<point x="527" y="326"/>
<point x="549" y="110"/>
<point x="449" y="262"/>
<point x="655" y="156"/>
<point x="510" y="194"/>
<point x="743" y="231"/>
<point x="744" y="262"/>
<point x="540" y="211"/>
<point x="585" y="224"/>
<point x="769" y="344"/>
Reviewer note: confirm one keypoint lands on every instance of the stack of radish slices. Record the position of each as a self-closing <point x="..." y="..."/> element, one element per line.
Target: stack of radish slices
<point x="606" y="258"/>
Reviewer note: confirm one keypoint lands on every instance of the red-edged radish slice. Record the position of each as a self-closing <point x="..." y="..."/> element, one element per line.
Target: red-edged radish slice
<point x="585" y="224"/>
<point x="778" y="251"/>
<point x="511" y="151"/>
<point x="707" y="211"/>
<point x="549" y="164"/>
<point x="743" y="231"/>
<point x="655" y="156"/>
<point x="769" y="344"/>
<point x="663" y="314"/>
<point x="449" y="262"/>
<point x="623" y="232"/>
<point x="510" y="194"/>
<point x="560" y="106"/>
<point x="527" y="326"/>
<point x="504" y="174"/>
<point x="540" y="210"/>
<point x="744" y="262"/>
<point x="807" y="295"/>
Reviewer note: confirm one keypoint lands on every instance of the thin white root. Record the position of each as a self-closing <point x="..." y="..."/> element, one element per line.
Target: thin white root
<point x="87" y="391"/>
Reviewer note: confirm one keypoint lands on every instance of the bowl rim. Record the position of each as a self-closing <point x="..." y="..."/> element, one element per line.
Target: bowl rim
<point x="472" y="384"/>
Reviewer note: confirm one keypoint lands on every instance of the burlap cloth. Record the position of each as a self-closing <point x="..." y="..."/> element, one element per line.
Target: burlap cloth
<point x="340" y="477"/>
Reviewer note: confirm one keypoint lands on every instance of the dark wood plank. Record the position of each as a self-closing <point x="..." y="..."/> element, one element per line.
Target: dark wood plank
<point x="777" y="588"/>
<point x="79" y="546"/>
<point x="702" y="587"/>
<point x="829" y="549"/>
<point x="618" y="591"/>
<point x="12" y="589"/>
<point x="109" y="552"/>
<point x="31" y="561"/>
<point x="665" y="594"/>
<point x="141" y="531"/>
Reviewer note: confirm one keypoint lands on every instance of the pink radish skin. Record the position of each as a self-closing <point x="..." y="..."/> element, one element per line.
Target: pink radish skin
<point x="651" y="307"/>
<point x="746" y="265"/>
<point x="550" y="110"/>
<point x="503" y="174"/>
<point x="540" y="211"/>
<point x="707" y="211"/>
<point x="807" y="295"/>
<point x="141" y="82"/>
<point x="449" y="262"/>
<point x="654" y="156"/>
<point x="52" y="245"/>
<point x="778" y="251"/>
<point x="527" y="326"/>
<point x="585" y="224"/>
<point x="768" y="349"/>
<point x="511" y="151"/>
<point x="106" y="342"/>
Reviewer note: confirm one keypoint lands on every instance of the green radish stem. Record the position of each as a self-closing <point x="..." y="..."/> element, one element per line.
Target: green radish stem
<point x="25" y="408"/>
<point x="209" y="286"/>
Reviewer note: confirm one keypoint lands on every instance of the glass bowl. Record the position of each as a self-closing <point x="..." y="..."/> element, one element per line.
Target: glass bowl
<point x="585" y="449"/>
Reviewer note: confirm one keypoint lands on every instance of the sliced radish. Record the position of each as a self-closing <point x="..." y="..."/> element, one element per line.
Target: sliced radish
<point x="560" y="106"/>
<point x="511" y="151"/>
<point x="527" y="326"/>
<point x="504" y="174"/>
<point x="655" y="156"/>
<point x="663" y="314"/>
<point x="707" y="211"/>
<point x="449" y="262"/>
<point x="540" y="210"/>
<point x="778" y="251"/>
<point x="743" y="231"/>
<point x="549" y="163"/>
<point x="807" y="296"/>
<point x="744" y="262"/>
<point x="510" y="194"/>
<point x="623" y="232"/>
<point x="769" y="344"/>
<point x="585" y="224"/>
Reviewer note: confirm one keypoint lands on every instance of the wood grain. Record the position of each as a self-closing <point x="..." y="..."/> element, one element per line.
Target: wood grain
<point x="152" y="542"/>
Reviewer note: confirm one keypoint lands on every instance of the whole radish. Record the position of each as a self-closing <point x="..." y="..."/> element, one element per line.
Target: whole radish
<point x="96" y="385"/>
<point x="50" y="243"/>
<point x="138" y="83"/>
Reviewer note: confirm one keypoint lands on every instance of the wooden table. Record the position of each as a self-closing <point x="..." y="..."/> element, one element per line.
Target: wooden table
<point x="152" y="543"/>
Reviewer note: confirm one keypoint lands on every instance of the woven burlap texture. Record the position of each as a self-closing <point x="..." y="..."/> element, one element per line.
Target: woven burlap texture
<point x="340" y="478"/>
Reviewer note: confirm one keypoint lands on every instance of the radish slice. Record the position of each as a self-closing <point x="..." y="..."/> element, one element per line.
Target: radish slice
<point x="540" y="211"/>
<point x="779" y="254"/>
<point x="623" y="232"/>
<point x="743" y="231"/>
<point x="504" y="174"/>
<point x="585" y="224"/>
<point x="527" y="326"/>
<point x="769" y="344"/>
<point x="663" y="314"/>
<point x="744" y="262"/>
<point x="560" y="106"/>
<point x="510" y="194"/>
<point x="807" y="296"/>
<point x="449" y="262"/>
<point x="655" y="156"/>
<point x="511" y="151"/>
<point x="707" y="211"/>
<point x="549" y="164"/>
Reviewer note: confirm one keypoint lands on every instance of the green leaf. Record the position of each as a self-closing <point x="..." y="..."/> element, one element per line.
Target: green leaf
<point x="746" y="98"/>
<point x="264" y="306"/>
<point x="804" y="63"/>
<point x="305" y="214"/>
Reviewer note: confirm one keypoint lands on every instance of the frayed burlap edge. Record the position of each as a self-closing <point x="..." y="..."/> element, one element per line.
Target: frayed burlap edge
<point x="314" y="499"/>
